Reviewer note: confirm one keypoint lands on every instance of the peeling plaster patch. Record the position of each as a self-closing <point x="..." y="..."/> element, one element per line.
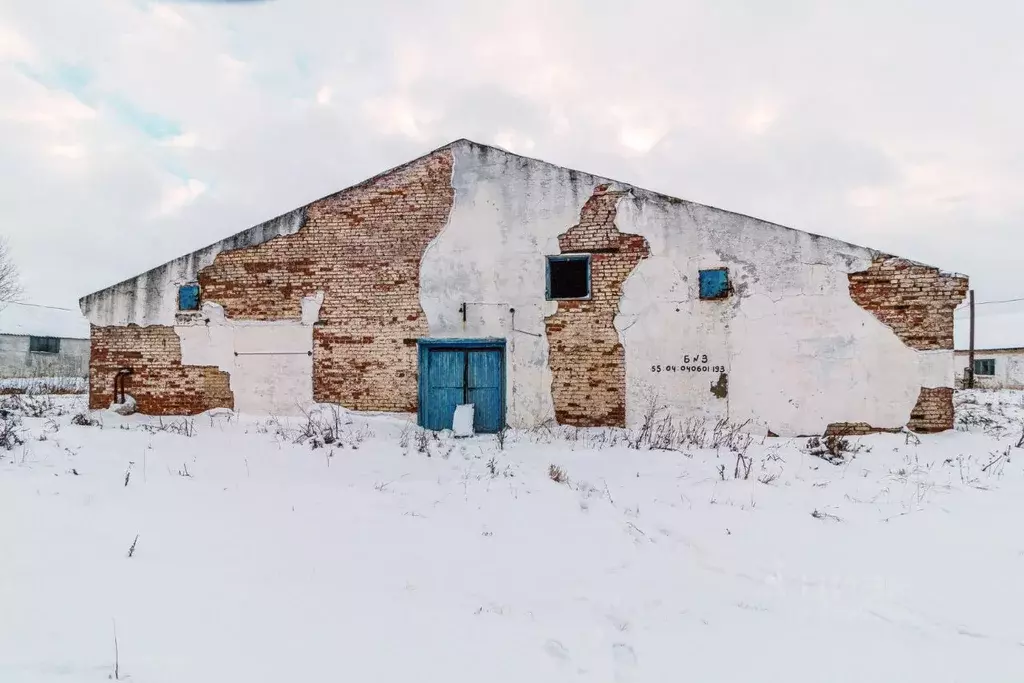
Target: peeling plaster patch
<point x="151" y="298"/>
<point x="507" y="215"/>
<point x="721" y="388"/>
<point x="311" y="308"/>
<point x="270" y="363"/>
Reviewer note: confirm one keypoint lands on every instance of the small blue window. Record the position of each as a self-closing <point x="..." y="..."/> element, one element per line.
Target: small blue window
<point x="714" y="284"/>
<point x="985" y="367"/>
<point x="568" y="277"/>
<point x="188" y="298"/>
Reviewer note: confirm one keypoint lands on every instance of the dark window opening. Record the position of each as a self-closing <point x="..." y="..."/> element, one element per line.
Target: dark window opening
<point x="714" y="284"/>
<point x="188" y="298"/>
<point x="568" y="277"/>
<point x="985" y="367"/>
<point x="44" y="344"/>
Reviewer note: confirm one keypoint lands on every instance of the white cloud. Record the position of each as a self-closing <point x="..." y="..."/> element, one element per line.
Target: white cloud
<point x="168" y="16"/>
<point x="514" y="142"/>
<point x="786" y="118"/>
<point x="177" y="197"/>
<point x="759" y="118"/>
<point x="13" y="46"/>
<point x="397" y="115"/>
<point x="640" y="139"/>
<point x="186" y="140"/>
<point x="68" y="151"/>
<point x="51" y="111"/>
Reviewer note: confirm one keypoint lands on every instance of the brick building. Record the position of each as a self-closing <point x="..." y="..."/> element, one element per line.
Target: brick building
<point x="537" y="293"/>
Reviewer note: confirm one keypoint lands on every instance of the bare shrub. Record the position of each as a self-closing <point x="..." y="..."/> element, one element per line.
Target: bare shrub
<point x="31" y="406"/>
<point x="318" y="430"/>
<point x="641" y="436"/>
<point x="557" y="474"/>
<point x="11" y="432"/>
<point x="10" y="282"/>
<point x="817" y="514"/>
<point x="84" y="420"/>
<point x="742" y="468"/>
<point x="328" y="426"/>
<point x="500" y="437"/>
<point x="44" y="384"/>
<point x="186" y="426"/>
<point x="997" y="462"/>
<point x="659" y="431"/>
<point x="834" y="449"/>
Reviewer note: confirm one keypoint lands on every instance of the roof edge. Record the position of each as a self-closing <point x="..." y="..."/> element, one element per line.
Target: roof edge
<point x="875" y="252"/>
<point x="662" y="195"/>
<point x="82" y="299"/>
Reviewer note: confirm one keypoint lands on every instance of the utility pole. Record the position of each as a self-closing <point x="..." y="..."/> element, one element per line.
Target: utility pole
<point x="970" y="353"/>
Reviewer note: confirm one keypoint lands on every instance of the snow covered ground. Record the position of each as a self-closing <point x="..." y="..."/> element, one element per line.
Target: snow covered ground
<point x="390" y="556"/>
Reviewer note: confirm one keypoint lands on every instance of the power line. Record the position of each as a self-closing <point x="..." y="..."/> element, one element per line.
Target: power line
<point x="982" y="303"/>
<point x="55" y="308"/>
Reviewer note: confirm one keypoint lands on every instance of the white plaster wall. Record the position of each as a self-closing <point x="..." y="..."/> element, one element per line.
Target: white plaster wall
<point x="507" y="215"/>
<point x="270" y="363"/>
<point x="798" y="352"/>
<point x="1009" y="369"/>
<point x="152" y="298"/>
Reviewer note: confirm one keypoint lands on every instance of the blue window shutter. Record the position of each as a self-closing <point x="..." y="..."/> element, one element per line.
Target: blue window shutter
<point x="188" y="298"/>
<point x="714" y="284"/>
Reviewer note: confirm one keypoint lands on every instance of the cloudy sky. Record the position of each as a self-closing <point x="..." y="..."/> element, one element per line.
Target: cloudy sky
<point x="137" y="130"/>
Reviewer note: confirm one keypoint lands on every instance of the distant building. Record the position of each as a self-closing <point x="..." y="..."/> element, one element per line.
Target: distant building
<point x="998" y="346"/>
<point x="541" y="295"/>
<point x="40" y="341"/>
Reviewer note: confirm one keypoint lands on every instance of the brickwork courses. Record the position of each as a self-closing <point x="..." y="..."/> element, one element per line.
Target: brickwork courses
<point x="159" y="383"/>
<point x="361" y="247"/>
<point x="587" y="360"/>
<point x="917" y="303"/>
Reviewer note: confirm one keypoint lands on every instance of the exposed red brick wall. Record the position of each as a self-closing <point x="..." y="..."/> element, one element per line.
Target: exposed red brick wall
<point x="160" y="383"/>
<point x="588" y="363"/>
<point x="917" y="303"/>
<point x="855" y="429"/>
<point x="361" y="247"/>
<point x="934" y="410"/>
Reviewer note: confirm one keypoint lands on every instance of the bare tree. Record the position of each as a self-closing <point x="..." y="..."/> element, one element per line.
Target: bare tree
<point x="10" y="282"/>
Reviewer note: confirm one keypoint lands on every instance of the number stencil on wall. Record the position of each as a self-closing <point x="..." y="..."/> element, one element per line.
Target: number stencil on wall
<point x="697" y="362"/>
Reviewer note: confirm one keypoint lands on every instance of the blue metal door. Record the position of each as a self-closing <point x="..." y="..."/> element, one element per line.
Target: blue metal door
<point x="446" y="377"/>
<point x="483" y="389"/>
<point x="462" y="371"/>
